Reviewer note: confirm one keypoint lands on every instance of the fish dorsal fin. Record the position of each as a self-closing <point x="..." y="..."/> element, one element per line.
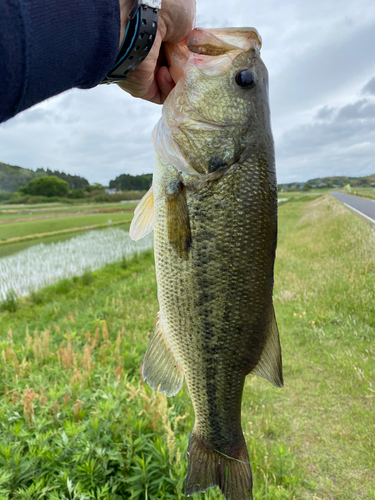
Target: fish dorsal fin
<point x="269" y="365"/>
<point x="143" y="220"/>
<point x="178" y="221"/>
<point x="160" y="368"/>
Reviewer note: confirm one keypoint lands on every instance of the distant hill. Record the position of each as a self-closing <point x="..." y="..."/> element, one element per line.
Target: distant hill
<point x="131" y="182"/>
<point x="13" y="177"/>
<point x="330" y="182"/>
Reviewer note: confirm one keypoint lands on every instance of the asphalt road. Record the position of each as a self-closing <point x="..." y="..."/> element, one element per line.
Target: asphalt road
<point x="360" y="205"/>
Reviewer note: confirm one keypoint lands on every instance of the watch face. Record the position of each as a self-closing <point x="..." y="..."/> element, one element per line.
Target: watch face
<point x="154" y="4"/>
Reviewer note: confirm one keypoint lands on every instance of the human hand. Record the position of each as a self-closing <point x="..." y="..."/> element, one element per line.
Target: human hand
<point x="152" y="80"/>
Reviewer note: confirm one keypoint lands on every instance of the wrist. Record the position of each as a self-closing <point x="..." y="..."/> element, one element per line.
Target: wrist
<point x="125" y="9"/>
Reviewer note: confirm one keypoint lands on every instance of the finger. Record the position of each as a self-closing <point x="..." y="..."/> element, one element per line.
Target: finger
<point x="164" y="80"/>
<point x="179" y="19"/>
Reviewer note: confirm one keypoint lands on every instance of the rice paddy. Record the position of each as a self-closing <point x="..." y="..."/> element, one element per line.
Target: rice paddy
<point x="42" y="265"/>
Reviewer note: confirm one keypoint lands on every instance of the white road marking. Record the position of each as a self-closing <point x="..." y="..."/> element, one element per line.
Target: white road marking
<point x="360" y="213"/>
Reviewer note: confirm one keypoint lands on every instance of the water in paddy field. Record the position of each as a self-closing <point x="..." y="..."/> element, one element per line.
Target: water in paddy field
<point x="42" y="265"/>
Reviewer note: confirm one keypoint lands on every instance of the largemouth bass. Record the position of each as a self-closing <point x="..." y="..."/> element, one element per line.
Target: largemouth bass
<point x="213" y="208"/>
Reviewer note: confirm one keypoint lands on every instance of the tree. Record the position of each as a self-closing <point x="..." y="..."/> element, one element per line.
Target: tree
<point x="46" y="186"/>
<point x="74" y="181"/>
<point x="132" y="182"/>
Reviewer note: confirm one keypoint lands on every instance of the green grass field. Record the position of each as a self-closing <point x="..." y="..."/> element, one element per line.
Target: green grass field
<point x="62" y="220"/>
<point x="26" y="211"/>
<point x="21" y="229"/>
<point x="364" y="192"/>
<point x="77" y="422"/>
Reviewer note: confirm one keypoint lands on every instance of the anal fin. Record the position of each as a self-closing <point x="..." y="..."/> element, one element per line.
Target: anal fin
<point x="143" y="220"/>
<point x="160" y="368"/>
<point x="270" y="364"/>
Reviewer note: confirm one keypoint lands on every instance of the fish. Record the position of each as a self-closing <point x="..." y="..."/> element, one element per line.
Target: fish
<point x="213" y="209"/>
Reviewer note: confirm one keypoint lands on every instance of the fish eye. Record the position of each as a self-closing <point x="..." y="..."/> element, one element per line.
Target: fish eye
<point x="245" y="79"/>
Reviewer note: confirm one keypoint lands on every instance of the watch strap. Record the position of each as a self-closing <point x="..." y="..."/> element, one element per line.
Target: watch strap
<point x="139" y="37"/>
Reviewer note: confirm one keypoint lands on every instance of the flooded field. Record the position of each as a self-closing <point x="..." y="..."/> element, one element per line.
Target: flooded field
<point x="43" y="264"/>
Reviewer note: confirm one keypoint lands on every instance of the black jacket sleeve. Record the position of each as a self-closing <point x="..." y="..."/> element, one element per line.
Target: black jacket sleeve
<point x="48" y="46"/>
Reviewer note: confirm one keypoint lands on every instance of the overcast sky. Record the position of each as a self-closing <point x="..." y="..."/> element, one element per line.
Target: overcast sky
<point x="321" y="59"/>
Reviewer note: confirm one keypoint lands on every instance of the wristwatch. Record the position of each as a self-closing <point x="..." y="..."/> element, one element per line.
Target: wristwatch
<point x="139" y="36"/>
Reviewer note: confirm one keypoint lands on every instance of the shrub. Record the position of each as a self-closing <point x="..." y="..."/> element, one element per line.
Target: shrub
<point x="124" y="262"/>
<point x="63" y="286"/>
<point x="76" y="194"/>
<point x="46" y="186"/>
<point x="4" y="196"/>
<point x="87" y="278"/>
<point x="10" y="302"/>
<point x="37" y="297"/>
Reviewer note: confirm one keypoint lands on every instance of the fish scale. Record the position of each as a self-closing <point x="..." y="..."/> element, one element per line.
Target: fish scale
<point x="213" y="208"/>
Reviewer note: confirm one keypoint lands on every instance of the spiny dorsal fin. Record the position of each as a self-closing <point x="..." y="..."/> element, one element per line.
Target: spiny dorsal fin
<point x="270" y="365"/>
<point x="143" y="220"/>
<point x="178" y="222"/>
<point x="160" y="368"/>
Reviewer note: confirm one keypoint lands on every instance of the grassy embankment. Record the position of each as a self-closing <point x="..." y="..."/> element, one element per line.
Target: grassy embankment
<point x="77" y="422"/>
<point x="364" y="193"/>
<point x="22" y="228"/>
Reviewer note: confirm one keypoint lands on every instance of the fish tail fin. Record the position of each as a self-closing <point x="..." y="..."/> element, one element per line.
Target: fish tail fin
<point x="208" y="467"/>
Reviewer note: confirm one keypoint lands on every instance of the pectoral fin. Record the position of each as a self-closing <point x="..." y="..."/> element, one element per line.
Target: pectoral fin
<point x="270" y="365"/>
<point x="143" y="220"/>
<point x="160" y="368"/>
<point x="178" y="222"/>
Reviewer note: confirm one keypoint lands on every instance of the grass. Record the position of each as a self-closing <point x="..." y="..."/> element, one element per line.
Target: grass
<point x="61" y="232"/>
<point x="31" y="228"/>
<point x="364" y="192"/>
<point x="17" y="199"/>
<point x="16" y="212"/>
<point x="77" y="422"/>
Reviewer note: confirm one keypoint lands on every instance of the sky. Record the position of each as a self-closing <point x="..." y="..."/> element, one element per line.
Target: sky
<point x="321" y="60"/>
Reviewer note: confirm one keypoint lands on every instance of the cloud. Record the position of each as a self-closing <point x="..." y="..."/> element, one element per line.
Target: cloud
<point x="322" y="72"/>
<point x="342" y="127"/>
<point x="98" y="134"/>
<point x="324" y="113"/>
<point x="359" y="110"/>
<point x="369" y="88"/>
<point x="340" y="140"/>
